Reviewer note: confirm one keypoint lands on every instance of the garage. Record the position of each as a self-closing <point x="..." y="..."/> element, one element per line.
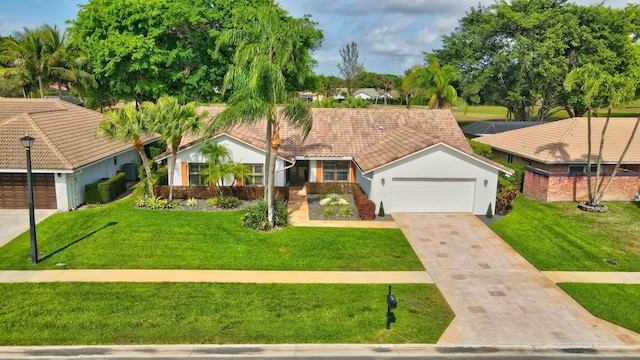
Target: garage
<point x="432" y="195"/>
<point x="14" y="193"/>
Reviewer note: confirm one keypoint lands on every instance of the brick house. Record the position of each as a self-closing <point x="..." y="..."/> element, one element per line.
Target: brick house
<point x="555" y="155"/>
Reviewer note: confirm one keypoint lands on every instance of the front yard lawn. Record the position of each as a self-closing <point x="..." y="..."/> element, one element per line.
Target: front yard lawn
<point x="119" y="236"/>
<point x="201" y="313"/>
<point x="559" y="236"/>
<point x="619" y="304"/>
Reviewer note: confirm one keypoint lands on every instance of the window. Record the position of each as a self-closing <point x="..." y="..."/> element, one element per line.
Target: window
<point x="257" y="175"/>
<point x="334" y="170"/>
<point x="582" y="169"/>
<point x="194" y="175"/>
<point x="510" y="158"/>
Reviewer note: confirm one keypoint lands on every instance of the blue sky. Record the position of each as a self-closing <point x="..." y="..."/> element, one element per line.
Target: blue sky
<point x="391" y="34"/>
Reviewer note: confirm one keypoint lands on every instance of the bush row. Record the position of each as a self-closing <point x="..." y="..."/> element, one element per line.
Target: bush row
<point x="366" y="207"/>
<point x="205" y="192"/>
<point x="315" y="188"/>
<point x="103" y="192"/>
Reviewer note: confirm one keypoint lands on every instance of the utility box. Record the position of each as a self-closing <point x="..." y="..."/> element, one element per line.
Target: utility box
<point x="130" y="171"/>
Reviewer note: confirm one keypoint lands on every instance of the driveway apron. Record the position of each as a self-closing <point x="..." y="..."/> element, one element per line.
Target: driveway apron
<point x="14" y="222"/>
<point x="498" y="297"/>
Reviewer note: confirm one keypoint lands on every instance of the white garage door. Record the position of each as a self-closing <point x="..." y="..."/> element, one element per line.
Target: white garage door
<point x="432" y="195"/>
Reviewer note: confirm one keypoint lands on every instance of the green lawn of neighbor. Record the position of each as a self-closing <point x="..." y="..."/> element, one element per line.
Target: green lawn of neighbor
<point x="201" y="313"/>
<point x="119" y="236"/>
<point x="617" y="303"/>
<point x="559" y="236"/>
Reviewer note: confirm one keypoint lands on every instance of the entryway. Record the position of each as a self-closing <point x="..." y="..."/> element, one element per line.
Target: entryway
<point x="298" y="175"/>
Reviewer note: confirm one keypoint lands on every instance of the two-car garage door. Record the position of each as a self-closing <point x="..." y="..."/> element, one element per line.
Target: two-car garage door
<point x="432" y="195"/>
<point x="14" y="195"/>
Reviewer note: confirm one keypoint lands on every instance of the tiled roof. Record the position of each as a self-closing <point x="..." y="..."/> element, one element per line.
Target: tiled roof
<point x="65" y="135"/>
<point x="565" y="141"/>
<point x="373" y="137"/>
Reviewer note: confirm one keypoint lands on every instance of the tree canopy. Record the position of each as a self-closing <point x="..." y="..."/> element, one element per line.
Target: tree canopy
<point x="517" y="54"/>
<point x="144" y="49"/>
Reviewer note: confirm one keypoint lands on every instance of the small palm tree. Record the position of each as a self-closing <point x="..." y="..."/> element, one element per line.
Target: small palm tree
<point x="433" y="82"/>
<point x="218" y="156"/>
<point x="129" y="125"/>
<point x="172" y="121"/>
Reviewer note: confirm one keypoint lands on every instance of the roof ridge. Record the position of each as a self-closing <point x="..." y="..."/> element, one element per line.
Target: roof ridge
<point x="48" y="141"/>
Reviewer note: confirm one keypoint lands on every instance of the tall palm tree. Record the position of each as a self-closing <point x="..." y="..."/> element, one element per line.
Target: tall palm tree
<point x="602" y="90"/>
<point x="129" y="125"/>
<point x="257" y="81"/>
<point x="172" y="121"/>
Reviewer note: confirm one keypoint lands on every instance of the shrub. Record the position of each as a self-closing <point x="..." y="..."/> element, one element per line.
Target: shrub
<point x="516" y="179"/>
<point x="345" y="212"/>
<point x="176" y="205"/>
<point x="140" y="201"/>
<point x="327" y="188"/>
<point x="366" y="207"/>
<point x="381" y="211"/>
<point x="256" y="215"/>
<point x="212" y="201"/>
<point x="328" y="212"/>
<point x="192" y="202"/>
<point x="504" y="200"/>
<point x="162" y="175"/>
<point x="155" y="202"/>
<point x="481" y="149"/>
<point x="103" y="192"/>
<point x="204" y="192"/>
<point x="228" y="202"/>
<point x="489" y="213"/>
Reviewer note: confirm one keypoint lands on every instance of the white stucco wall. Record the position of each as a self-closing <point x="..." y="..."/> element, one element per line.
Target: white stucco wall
<point x="62" y="196"/>
<point x="242" y="153"/>
<point x="365" y="184"/>
<point x="73" y="192"/>
<point x="437" y="162"/>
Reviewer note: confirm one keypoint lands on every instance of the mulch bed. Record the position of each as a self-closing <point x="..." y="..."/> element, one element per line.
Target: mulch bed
<point x="316" y="211"/>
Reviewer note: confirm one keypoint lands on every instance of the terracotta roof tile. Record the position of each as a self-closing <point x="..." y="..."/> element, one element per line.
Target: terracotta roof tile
<point x="65" y="135"/>
<point x="349" y="132"/>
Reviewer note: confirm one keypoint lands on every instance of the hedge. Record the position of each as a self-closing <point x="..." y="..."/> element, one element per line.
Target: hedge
<point x="205" y="192"/>
<point x="103" y="192"/>
<point x="315" y="188"/>
<point x="366" y="207"/>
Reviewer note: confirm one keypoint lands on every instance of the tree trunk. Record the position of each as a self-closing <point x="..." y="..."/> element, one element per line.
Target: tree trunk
<point x="589" y="189"/>
<point x="174" y="152"/>
<point x="271" y="188"/>
<point x="599" y="164"/>
<point x="615" y="169"/>
<point x="41" y="88"/>
<point x="139" y="146"/>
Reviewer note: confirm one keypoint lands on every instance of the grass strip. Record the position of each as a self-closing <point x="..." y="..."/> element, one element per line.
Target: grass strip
<point x="559" y="236"/>
<point x="201" y="313"/>
<point x="119" y="236"/>
<point x="617" y="303"/>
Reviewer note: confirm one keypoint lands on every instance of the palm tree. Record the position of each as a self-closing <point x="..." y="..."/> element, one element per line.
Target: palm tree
<point x="257" y="81"/>
<point x="172" y="121"/>
<point x="602" y="90"/>
<point x="41" y="56"/>
<point x="218" y="156"/>
<point x="129" y="125"/>
<point x="434" y="82"/>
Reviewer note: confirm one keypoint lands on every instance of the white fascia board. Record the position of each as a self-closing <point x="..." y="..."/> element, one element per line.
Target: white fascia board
<point x="433" y="146"/>
<point x="324" y="158"/>
<point x="37" y="171"/>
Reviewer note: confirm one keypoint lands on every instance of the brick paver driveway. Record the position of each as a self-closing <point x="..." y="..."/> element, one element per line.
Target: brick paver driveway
<point x="498" y="297"/>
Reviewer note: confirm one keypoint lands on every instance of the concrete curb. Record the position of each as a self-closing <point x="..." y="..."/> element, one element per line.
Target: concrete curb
<point x="285" y="351"/>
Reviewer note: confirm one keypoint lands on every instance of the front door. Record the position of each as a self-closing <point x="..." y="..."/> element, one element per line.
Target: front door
<point x="299" y="173"/>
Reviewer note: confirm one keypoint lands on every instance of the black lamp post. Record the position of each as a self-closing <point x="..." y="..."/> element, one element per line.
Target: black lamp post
<point x="27" y="142"/>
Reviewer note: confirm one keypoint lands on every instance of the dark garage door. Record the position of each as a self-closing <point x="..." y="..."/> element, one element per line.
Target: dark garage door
<point x="13" y="191"/>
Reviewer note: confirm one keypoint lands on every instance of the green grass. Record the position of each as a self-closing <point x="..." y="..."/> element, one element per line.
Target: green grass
<point x="118" y="236"/>
<point x="559" y="236"/>
<point x="619" y="304"/>
<point x="199" y="313"/>
<point x="499" y="113"/>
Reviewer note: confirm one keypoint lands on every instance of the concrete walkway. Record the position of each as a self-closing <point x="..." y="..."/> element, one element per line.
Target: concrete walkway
<point x="299" y="215"/>
<point x="218" y="276"/>
<point x="498" y="297"/>
<point x="593" y="277"/>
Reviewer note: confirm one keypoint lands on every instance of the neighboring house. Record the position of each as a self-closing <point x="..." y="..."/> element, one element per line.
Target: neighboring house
<point x="556" y="157"/>
<point x="484" y="128"/>
<point x="69" y="99"/>
<point x="66" y="154"/>
<point x="411" y="160"/>
<point x="367" y="94"/>
<point x="391" y="94"/>
<point x="340" y="93"/>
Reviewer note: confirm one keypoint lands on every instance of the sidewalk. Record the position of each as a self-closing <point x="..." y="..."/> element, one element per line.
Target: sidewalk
<point x="218" y="276"/>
